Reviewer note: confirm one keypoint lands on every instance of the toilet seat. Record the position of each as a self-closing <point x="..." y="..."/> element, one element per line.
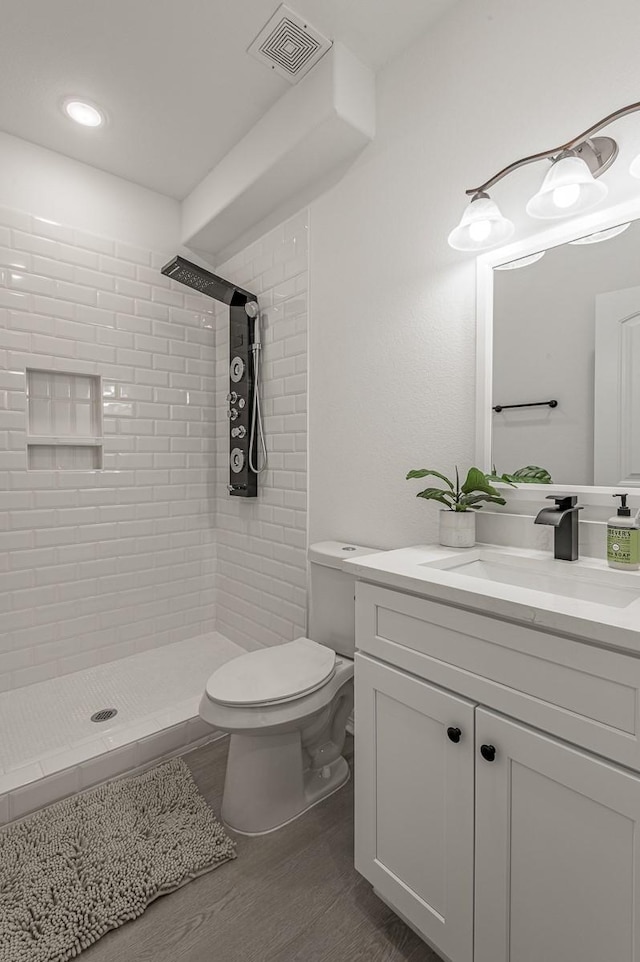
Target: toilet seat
<point x="272" y="676"/>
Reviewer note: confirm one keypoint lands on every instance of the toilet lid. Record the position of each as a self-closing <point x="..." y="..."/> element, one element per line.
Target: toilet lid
<point x="273" y="674"/>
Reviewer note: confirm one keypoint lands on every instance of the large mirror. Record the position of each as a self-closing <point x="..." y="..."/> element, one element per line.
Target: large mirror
<point x="563" y="375"/>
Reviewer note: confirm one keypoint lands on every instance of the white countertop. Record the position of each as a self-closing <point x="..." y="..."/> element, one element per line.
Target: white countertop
<point x="408" y="569"/>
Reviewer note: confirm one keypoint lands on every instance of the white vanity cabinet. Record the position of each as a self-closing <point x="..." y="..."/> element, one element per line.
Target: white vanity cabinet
<point x="507" y="844"/>
<point x="557" y="851"/>
<point x="414" y="808"/>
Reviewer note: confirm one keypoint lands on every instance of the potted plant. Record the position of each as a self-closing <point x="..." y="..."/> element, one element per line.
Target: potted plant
<point x="457" y="518"/>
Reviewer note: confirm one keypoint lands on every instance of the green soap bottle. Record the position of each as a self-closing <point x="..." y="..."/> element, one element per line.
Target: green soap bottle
<point x="623" y="538"/>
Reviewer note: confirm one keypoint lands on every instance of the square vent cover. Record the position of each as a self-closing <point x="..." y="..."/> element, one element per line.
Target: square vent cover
<point x="289" y="45"/>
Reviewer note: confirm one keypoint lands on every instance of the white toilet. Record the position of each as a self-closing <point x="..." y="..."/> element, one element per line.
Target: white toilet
<point x="287" y="707"/>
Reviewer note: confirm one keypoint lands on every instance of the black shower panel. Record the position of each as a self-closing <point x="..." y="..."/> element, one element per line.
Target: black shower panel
<point x="243" y="482"/>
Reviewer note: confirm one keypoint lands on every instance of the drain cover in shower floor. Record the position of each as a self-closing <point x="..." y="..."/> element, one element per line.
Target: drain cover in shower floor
<point x="104" y="714"/>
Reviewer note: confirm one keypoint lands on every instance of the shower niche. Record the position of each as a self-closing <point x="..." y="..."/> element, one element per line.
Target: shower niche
<point x="241" y="397"/>
<point x="64" y="421"/>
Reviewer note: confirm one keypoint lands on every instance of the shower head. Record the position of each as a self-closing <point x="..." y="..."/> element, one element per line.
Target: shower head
<point x="205" y="282"/>
<point x="252" y="309"/>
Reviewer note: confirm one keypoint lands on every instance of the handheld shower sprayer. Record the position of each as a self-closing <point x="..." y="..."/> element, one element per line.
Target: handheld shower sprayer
<point x="257" y="428"/>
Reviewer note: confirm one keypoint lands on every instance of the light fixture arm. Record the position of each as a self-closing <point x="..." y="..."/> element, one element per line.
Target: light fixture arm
<point x="547" y="154"/>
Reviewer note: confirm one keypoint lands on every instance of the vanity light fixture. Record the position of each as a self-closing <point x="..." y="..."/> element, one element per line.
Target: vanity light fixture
<point x="569" y="187"/>
<point x="82" y="112"/>
<point x="482" y="225"/>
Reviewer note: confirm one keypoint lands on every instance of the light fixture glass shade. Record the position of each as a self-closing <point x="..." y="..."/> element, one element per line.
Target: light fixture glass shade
<point x="634" y="169"/>
<point x="482" y="226"/>
<point x="521" y="262"/>
<point x="602" y="235"/>
<point x="568" y="188"/>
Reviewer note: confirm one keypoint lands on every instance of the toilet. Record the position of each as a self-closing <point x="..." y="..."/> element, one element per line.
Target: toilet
<point x="286" y="707"/>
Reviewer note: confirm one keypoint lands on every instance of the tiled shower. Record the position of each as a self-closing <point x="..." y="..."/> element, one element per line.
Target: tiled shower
<point x="124" y="561"/>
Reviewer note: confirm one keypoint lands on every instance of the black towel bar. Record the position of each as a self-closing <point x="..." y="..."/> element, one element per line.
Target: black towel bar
<point x="533" y="404"/>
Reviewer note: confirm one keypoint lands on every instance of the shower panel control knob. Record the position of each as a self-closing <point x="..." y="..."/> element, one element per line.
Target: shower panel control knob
<point x="236" y="460"/>
<point x="236" y="369"/>
<point x="241" y="403"/>
<point x="232" y="397"/>
<point x="239" y="432"/>
<point x="232" y="414"/>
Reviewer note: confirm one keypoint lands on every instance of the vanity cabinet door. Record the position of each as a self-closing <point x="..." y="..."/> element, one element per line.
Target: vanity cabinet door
<point x="557" y="850"/>
<point x="414" y="802"/>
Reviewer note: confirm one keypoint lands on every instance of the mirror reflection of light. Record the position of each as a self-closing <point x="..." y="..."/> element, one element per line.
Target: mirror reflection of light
<point x="602" y="235"/>
<point x="521" y="262"/>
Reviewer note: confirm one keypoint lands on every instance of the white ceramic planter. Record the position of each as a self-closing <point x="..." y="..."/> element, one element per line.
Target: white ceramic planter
<point x="457" y="528"/>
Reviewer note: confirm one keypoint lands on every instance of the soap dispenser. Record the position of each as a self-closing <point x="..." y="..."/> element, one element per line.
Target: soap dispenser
<point x="623" y="537"/>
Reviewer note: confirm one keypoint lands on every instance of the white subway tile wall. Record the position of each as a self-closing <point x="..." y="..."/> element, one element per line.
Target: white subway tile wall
<point x="97" y="565"/>
<point x="262" y="567"/>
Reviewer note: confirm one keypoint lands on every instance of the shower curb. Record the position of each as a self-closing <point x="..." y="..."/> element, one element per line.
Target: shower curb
<point x="31" y="791"/>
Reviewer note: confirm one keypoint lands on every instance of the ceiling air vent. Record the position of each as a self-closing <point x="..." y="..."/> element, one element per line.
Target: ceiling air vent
<point x="289" y="45"/>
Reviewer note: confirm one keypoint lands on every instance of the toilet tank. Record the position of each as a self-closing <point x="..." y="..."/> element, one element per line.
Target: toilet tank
<point x="331" y="595"/>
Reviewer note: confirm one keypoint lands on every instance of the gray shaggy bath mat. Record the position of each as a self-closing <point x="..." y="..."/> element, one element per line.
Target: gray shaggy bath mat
<point x="86" y="865"/>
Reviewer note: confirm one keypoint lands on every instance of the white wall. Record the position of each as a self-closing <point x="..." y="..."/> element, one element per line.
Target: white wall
<point x="392" y="367"/>
<point x="43" y="182"/>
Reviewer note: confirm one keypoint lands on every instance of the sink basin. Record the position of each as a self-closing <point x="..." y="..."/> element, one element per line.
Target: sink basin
<point x="617" y="589"/>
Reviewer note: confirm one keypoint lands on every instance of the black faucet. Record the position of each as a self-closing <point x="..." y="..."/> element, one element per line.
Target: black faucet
<point x="564" y="518"/>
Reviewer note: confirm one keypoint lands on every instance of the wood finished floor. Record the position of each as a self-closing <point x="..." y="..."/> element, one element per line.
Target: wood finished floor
<point x="293" y="896"/>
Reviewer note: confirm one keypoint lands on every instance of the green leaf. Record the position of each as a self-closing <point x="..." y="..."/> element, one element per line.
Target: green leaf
<point x="436" y="494"/>
<point x="477" y="481"/>
<point x="500" y="478"/>
<point x="425" y="473"/>
<point x="473" y="500"/>
<point x="532" y="474"/>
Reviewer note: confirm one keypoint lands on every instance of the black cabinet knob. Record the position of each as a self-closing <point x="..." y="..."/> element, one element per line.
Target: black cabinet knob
<point x="454" y="734"/>
<point x="488" y="752"/>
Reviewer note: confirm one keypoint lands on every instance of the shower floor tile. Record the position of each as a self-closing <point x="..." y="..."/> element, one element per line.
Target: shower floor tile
<point x="49" y="722"/>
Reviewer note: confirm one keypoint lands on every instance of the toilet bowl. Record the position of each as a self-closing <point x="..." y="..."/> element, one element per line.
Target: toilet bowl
<point x="285" y="755"/>
<point x="286" y="708"/>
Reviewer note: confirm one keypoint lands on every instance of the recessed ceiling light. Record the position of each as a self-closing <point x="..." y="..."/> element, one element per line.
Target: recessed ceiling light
<point x="83" y="113"/>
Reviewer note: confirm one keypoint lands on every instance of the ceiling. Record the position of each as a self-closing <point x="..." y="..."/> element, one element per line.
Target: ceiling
<point x="174" y="78"/>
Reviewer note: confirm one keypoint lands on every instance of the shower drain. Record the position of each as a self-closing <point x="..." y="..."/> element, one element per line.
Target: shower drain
<point x="104" y="714"/>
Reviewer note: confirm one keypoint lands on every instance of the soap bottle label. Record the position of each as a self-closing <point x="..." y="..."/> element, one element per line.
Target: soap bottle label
<point x="623" y="545"/>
